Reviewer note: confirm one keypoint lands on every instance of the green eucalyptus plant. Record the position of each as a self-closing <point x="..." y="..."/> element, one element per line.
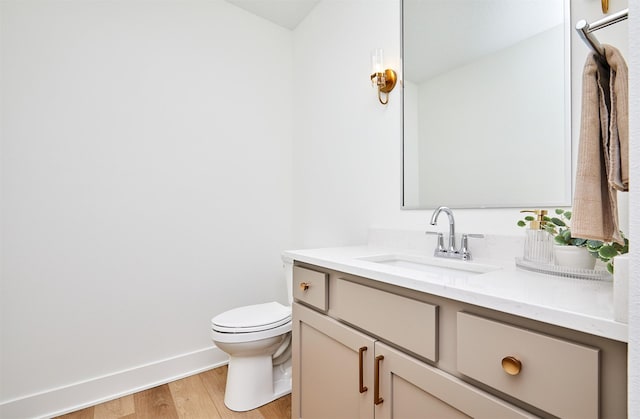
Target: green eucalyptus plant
<point x="559" y="228"/>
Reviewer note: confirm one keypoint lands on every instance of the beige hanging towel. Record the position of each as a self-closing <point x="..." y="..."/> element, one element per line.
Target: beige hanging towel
<point x="603" y="153"/>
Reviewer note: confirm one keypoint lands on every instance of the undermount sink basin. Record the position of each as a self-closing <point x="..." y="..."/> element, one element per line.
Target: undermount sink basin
<point x="432" y="265"/>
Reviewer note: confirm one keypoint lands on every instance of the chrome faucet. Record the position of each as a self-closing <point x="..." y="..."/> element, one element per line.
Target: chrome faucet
<point x="452" y="226"/>
<point x="451" y="251"/>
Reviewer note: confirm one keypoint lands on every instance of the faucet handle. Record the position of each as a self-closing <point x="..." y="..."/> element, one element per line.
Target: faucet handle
<point x="464" y="245"/>
<point x="440" y="247"/>
<point x="474" y="236"/>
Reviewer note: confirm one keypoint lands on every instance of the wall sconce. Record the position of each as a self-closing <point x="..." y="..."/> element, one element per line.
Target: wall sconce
<point x="383" y="79"/>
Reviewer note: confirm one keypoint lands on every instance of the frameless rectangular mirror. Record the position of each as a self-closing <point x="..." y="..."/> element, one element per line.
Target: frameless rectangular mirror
<point x="486" y="103"/>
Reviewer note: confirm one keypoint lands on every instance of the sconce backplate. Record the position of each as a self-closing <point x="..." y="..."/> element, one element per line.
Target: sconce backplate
<point x="390" y="78"/>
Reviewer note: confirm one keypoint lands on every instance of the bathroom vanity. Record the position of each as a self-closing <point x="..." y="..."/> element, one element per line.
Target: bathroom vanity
<point x="376" y="335"/>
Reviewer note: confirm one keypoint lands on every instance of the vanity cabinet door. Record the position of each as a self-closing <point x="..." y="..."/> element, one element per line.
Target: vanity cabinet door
<point x="332" y="368"/>
<point x="412" y="389"/>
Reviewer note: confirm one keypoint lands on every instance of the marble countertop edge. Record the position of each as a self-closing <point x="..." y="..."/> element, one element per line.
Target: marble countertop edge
<point x="577" y="304"/>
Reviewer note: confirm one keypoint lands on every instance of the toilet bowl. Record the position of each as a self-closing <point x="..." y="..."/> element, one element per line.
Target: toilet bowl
<point x="257" y="339"/>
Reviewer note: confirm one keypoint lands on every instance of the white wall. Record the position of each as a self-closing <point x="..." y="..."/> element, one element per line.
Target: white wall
<point x="347" y="145"/>
<point x="146" y="186"/>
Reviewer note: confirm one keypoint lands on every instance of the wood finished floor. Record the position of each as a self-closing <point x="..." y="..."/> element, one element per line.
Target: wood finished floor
<point x="199" y="396"/>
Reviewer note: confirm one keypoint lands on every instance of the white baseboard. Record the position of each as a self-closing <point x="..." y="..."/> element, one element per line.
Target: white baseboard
<point x="97" y="390"/>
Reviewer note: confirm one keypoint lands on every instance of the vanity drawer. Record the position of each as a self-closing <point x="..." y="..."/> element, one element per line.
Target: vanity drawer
<point x="554" y="375"/>
<point x="310" y="287"/>
<point x="408" y="323"/>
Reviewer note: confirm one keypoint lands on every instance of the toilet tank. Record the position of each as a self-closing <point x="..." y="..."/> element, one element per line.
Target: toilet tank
<point x="287" y="264"/>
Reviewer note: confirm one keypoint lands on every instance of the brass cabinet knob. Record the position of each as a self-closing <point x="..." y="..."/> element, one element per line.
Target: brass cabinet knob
<point x="511" y="365"/>
<point x="304" y="286"/>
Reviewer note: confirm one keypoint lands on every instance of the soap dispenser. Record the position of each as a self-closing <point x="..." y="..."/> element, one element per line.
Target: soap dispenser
<point x="538" y="245"/>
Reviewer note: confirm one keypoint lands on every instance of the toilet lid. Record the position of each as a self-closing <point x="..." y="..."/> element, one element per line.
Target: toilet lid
<point x="252" y="318"/>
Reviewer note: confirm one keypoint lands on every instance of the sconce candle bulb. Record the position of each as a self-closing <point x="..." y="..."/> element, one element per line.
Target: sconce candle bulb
<point x="383" y="79"/>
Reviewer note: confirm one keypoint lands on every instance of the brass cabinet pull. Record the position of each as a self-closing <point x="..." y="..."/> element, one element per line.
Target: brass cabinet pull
<point x="361" y="351"/>
<point x="304" y="286"/>
<point x="511" y="365"/>
<point x="376" y="383"/>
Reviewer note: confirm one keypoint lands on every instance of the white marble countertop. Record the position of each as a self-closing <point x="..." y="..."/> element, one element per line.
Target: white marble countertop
<point x="583" y="305"/>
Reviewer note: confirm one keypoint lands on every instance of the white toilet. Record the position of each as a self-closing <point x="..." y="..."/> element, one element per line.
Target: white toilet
<point x="258" y="341"/>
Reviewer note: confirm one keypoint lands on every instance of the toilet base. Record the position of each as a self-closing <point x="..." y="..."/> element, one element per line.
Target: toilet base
<point x="254" y="381"/>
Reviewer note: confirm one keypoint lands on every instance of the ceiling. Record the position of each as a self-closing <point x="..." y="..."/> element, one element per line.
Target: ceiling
<point x="286" y="13"/>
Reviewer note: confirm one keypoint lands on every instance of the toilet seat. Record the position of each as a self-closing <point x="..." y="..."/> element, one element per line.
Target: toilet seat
<point x="253" y="318"/>
<point x="253" y="322"/>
